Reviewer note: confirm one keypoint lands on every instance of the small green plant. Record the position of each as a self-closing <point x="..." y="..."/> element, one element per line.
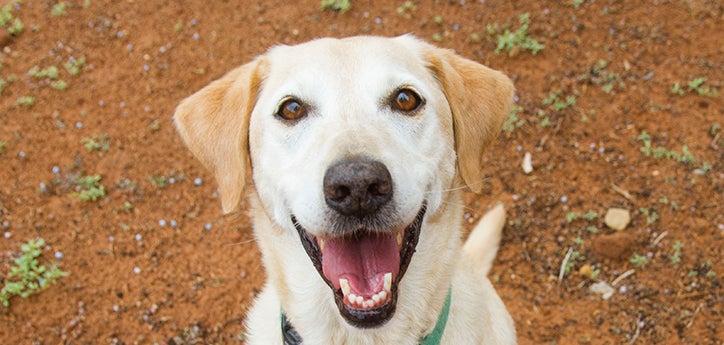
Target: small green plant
<point x="590" y="215"/>
<point x="577" y="3"/>
<point x="50" y="72"/>
<point x="74" y="66"/>
<point x="159" y="181"/>
<point x="660" y="152"/>
<point x="571" y="216"/>
<point x="59" y="85"/>
<point x="25" y="101"/>
<point x="58" y="9"/>
<point x="405" y="9"/>
<point x="651" y="215"/>
<point x="336" y="5"/>
<point x="90" y="188"/>
<point x="638" y="260"/>
<point x="6" y="14"/>
<point x="16" y="27"/>
<point x="575" y="257"/>
<point x="676" y="89"/>
<point x="3" y="85"/>
<point x="3" y="146"/>
<point x="27" y="276"/>
<point x="558" y="103"/>
<point x="513" y="41"/>
<point x="697" y="85"/>
<point x="675" y="256"/>
<point x="513" y="121"/>
<point x="97" y="143"/>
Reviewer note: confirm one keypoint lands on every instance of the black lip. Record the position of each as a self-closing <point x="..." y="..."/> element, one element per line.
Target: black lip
<point x="368" y="318"/>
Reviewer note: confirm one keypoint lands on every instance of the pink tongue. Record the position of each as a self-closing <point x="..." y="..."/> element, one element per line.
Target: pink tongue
<point x="361" y="259"/>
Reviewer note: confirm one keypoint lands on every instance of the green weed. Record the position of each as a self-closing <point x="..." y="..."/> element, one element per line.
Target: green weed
<point x="97" y="143"/>
<point x="405" y="9"/>
<point x="6" y="14"/>
<point x="3" y="146"/>
<point x="513" y="121"/>
<point x="638" y="260"/>
<point x="59" y="85"/>
<point x="3" y="85"/>
<point x="90" y="188"/>
<point x="651" y="215"/>
<point x="577" y="3"/>
<point x="159" y="181"/>
<point x="50" y="72"/>
<point x="25" y="101"/>
<point x="675" y="256"/>
<point x="575" y="257"/>
<point x="27" y="276"/>
<point x="555" y="101"/>
<point x="16" y="27"/>
<point x="58" y="9"/>
<point x="676" y="89"/>
<point x="697" y="85"/>
<point x="336" y="5"/>
<point x="74" y="66"/>
<point x="660" y="152"/>
<point x="513" y="41"/>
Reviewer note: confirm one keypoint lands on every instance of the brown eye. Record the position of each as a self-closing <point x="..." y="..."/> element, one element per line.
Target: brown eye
<point x="292" y="109"/>
<point x="406" y="100"/>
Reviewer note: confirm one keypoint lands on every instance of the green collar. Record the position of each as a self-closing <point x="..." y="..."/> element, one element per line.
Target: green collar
<point x="291" y="337"/>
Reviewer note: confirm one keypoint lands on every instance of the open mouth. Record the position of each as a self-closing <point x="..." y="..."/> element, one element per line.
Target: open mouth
<point x="364" y="268"/>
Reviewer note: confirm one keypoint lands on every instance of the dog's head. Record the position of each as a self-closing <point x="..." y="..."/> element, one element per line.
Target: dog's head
<point x="350" y="144"/>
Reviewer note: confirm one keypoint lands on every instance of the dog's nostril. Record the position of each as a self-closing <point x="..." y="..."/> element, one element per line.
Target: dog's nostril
<point x="341" y="192"/>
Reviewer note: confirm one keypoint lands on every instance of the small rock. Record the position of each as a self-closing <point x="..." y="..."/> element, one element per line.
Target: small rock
<point x="162" y="222"/>
<point x="198" y="181"/>
<point x="527" y="164"/>
<point x="137" y="270"/>
<point x="208" y="226"/>
<point x="603" y="289"/>
<point x="8" y="234"/>
<point x="618" y="245"/>
<point x="59" y="255"/>
<point x="617" y="218"/>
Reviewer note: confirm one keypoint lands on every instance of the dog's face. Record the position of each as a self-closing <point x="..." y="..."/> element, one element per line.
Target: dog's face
<point x="351" y="143"/>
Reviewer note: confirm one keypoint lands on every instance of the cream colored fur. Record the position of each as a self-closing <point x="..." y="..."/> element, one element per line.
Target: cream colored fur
<point x="230" y="127"/>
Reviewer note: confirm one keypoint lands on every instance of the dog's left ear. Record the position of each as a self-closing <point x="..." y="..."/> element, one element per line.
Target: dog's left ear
<point x="214" y="124"/>
<point x="479" y="98"/>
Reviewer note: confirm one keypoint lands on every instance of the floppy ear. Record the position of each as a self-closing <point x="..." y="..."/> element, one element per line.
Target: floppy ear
<point x="214" y="124"/>
<point x="479" y="98"/>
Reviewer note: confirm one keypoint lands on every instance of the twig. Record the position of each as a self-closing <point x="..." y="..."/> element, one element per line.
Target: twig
<point x="623" y="276"/>
<point x="623" y="192"/>
<point x="659" y="238"/>
<point x="562" y="271"/>
<point x="637" y="332"/>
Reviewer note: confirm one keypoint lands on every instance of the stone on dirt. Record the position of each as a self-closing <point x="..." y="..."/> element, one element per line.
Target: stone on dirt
<point x="527" y="164"/>
<point x="617" y="218"/>
<point x="603" y="289"/>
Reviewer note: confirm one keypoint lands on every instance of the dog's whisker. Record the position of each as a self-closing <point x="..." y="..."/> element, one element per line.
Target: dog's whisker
<point x="240" y="243"/>
<point x="459" y="187"/>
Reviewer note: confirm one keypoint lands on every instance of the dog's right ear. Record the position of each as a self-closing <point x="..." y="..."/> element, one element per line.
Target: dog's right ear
<point x="214" y="124"/>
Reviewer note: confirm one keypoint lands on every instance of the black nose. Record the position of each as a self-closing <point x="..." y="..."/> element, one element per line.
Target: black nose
<point x="357" y="186"/>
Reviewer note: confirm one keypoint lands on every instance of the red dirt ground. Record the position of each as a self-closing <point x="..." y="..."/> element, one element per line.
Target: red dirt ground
<point x="194" y="285"/>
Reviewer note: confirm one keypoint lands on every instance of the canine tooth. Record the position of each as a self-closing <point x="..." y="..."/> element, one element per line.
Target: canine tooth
<point x="388" y="281"/>
<point x="359" y="300"/>
<point x="399" y="237"/>
<point x="321" y="243"/>
<point x="344" y="284"/>
<point x="352" y="298"/>
<point x="383" y="296"/>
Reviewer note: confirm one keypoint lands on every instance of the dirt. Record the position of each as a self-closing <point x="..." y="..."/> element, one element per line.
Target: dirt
<point x="133" y="281"/>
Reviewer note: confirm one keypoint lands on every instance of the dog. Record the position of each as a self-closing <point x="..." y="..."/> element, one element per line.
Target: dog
<point x="353" y="154"/>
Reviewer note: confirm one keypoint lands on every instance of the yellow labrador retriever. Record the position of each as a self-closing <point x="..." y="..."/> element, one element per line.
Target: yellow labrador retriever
<point x="352" y="153"/>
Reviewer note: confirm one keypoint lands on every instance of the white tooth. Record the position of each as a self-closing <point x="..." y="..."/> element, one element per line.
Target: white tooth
<point x="344" y="284"/>
<point x="359" y="300"/>
<point x="399" y="237"/>
<point x="321" y="243"/>
<point x="366" y="304"/>
<point x="388" y="281"/>
<point x="352" y="298"/>
<point x="383" y="296"/>
<point x="376" y="298"/>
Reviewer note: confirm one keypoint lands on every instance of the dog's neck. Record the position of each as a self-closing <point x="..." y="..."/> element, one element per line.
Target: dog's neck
<point x="308" y="301"/>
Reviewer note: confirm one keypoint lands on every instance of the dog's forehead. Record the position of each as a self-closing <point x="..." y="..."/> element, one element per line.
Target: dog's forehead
<point x="349" y="59"/>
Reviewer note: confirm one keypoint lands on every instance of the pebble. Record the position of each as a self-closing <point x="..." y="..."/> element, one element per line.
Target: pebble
<point x="138" y="237"/>
<point x="527" y="164"/>
<point x="59" y="255"/>
<point x="43" y="188"/>
<point x="162" y="222"/>
<point x="173" y="223"/>
<point x="6" y="224"/>
<point x="208" y="226"/>
<point x="136" y="270"/>
<point x="564" y="199"/>
<point x="22" y="155"/>
<point x="8" y="234"/>
<point x="79" y="125"/>
<point x="116" y="308"/>
<point x="55" y="170"/>
<point x="195" y="36"/>
<point x="603" y="289"/>
<point x="198" y="181"/>
<point x="617" y="218"/>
